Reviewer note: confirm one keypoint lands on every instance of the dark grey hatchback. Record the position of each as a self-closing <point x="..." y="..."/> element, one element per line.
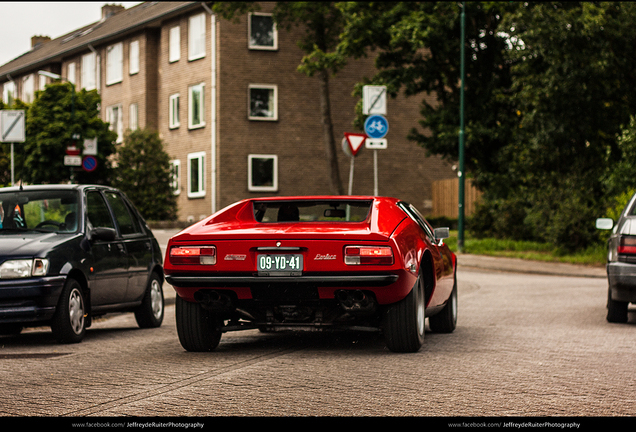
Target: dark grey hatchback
<point x="621" y="262"/>
<point x="70" y="253"/>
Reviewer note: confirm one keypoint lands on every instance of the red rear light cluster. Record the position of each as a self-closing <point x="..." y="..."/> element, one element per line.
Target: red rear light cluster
<point x="368" y="255"/>
<point x="627" y="245"/>
<point x="205" y="255"/>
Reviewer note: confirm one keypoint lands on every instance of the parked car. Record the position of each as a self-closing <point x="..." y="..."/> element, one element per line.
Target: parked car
<point x="621" y="262"/>
<point x="313" y="263"/>
<point x="70" y="253"/>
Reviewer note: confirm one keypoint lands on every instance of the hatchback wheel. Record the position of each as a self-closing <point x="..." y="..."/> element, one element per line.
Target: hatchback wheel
<point x="616" y="310"/>
<point x="69" y="321"/>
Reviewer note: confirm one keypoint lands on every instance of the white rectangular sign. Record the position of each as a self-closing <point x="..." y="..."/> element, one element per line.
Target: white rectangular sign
<point x="376" y="143"/>
<point x="374" y="100"/>
<point x="12" y="126"/>
<point x="90" y="146"/>
<point x="72" y="160"/>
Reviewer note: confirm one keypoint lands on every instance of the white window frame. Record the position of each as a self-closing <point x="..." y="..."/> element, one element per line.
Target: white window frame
<point x="70" y="72"/>
<point x="133" y="58"/>
<point x="28" y="88"/>
<point x="196" y="37"/>
<point x="174" y="49"/>
<point x="200" y="157"/>
<point x="8" y="92"/>
<point x="89" y="71"/>
<point x="114" y="63"/>
<point x="250" y="180"/>
<point x="175" y="176"/>
<point x="252" y="46"/>
<point x="118" y="125"/>
<point x="191" y="106"/>
<point x="174" y="118"/>
<point x="42" y="82"/>
<point x="133" y="116"/>
<point x="274" y="109"/>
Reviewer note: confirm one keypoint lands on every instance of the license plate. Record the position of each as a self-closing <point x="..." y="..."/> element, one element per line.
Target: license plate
<point x="279" y="264"/>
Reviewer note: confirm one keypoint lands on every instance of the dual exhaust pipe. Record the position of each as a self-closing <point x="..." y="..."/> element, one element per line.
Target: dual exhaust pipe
<point x="355" y="301"/>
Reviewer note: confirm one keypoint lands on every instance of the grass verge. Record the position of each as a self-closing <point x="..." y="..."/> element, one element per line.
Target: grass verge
<point x="595" y="255"/>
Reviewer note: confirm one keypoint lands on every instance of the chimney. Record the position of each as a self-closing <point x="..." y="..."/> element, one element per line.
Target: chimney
<point x="109" y="10"/>
<point x="37" y="41"/>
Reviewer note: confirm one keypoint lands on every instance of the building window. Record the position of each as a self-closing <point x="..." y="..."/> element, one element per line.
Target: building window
<point x="263" y="102"/>
<point x="42" y="82"/>
<point x="175" y="176"/>
<point x="70" y="72"/>
<point x="115" y="116"/>
<point x="173" y="117"/>
<point x="114" y="63"/>
<point x="262" y="173"/>
<point x="28" y="88"/>
<point x="175" y="44"/>
<point x="196" y="175"/>
<point x="196" y="107"/>
<point x="8" y="92"/>
<point x="89" y="71"/>
<point x="133" y="58"/>
<point x="196" y="37"/>
<point x="133" y="117"/>
<point x="262" y="32"/>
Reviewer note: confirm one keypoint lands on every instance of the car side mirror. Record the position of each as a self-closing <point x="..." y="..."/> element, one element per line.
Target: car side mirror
<point x="103" y="234"/>
<point x="604" y="223"/>
<point x="441" y="233"/>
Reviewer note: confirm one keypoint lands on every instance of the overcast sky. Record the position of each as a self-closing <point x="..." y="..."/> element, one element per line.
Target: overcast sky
<point x="19" y="21"/>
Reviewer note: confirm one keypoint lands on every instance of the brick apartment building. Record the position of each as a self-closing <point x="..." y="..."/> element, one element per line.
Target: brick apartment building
<point x="237" y="118"/>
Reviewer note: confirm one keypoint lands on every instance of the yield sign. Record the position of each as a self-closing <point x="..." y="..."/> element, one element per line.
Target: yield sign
<point x="355" y="141"/>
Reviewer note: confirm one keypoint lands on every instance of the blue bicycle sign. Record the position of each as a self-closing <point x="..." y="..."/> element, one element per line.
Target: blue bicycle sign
<point x="376" y="126"/>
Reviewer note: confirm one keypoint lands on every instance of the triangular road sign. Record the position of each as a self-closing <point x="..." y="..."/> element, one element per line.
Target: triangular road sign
<point x="355" y="141"/>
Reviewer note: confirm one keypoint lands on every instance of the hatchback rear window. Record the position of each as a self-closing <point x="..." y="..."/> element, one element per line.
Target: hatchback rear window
<point x="312" y="211"/>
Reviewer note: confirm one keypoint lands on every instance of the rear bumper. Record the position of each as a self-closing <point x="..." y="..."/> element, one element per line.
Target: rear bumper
<point x="29" y="300"/>
<point x="622" y="281"/>
<point x="388" y="288"/>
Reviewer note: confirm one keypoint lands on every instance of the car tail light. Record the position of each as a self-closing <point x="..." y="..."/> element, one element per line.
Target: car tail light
<point x="627" y="245"/>
<point x="368" y="255"/>
<point x="193" y="255"/>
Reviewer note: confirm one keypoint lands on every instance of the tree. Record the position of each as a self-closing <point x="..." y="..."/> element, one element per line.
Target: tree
<point x="322" y="23"/>
<point x="144" y="175"/>
<point x="56" y="114"/>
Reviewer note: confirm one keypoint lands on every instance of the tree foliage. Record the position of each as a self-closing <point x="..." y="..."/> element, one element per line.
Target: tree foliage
<point x="144" y="175"/>
<point x="56" y="114"/>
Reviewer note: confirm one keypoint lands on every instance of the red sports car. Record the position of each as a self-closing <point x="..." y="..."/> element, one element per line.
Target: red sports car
<point x="313" y="263"/>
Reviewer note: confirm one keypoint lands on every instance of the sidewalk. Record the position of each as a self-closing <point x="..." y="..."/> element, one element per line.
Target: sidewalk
<point x="518" y="265"/>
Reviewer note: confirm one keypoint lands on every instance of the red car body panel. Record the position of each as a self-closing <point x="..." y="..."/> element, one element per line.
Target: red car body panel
<point x="239" y="238"/>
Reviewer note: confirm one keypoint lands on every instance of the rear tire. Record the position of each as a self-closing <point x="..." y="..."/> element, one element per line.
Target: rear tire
<point x="446" y="320"/>
<point x="616" y="310"/>
<point x="199" y="330"/>
<point x="150" y="313"/>
<point x="405" y="321"/>
<point x="69" y="321"/>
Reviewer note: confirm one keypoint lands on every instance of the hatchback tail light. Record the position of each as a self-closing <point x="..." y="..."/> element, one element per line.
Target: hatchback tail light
<point x="368" y="255"/>
<point x="205" y="255"/>
<point x="627" y="245"/>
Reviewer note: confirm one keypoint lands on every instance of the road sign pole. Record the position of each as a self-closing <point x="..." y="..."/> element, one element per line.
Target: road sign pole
<point x="12" y="167"/>
<point x="351" y="175"/>
<point x="375" y="172"/>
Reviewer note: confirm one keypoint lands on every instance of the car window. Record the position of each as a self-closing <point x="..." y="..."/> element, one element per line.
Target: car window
<point x="128" y="224"/>
<point x="414" y="214"/>
<point x="42" y="210"/>
<point x="312" y="211"/>
<point x="97" y="211"/>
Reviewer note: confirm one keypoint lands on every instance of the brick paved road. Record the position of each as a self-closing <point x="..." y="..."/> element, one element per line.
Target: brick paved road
<point x="526" y="345"/>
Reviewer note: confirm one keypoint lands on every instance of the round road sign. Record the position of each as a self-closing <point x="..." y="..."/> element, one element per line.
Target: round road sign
<point x="89" y="163"/>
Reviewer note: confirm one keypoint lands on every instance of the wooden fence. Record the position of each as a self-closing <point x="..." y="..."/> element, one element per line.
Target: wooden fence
<point x="446" y="198"/>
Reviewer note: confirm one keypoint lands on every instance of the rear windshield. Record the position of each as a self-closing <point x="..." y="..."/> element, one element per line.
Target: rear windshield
<point x="312" y="211"/>
<point x="49" y="210"/>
